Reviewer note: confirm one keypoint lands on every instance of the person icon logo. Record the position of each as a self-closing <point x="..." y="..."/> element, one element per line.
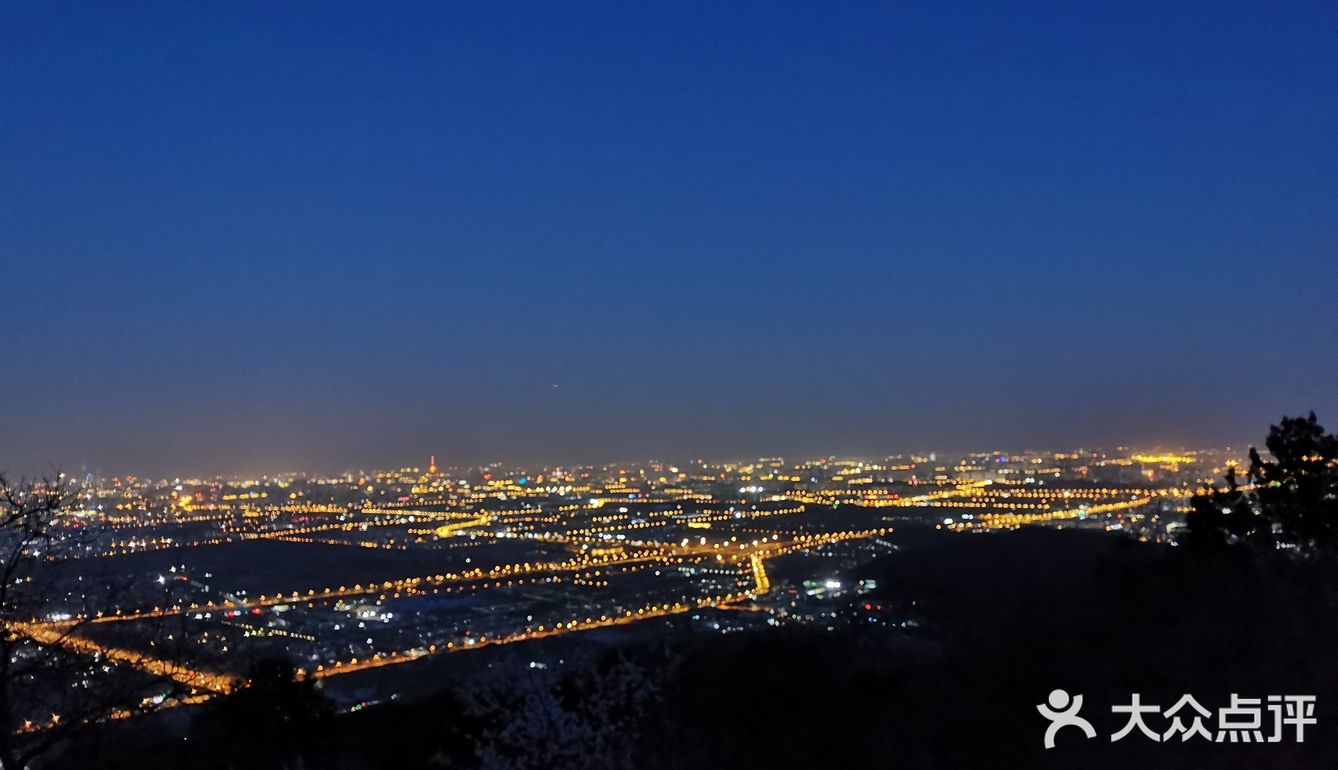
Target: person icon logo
<point x="1062" y="711"/>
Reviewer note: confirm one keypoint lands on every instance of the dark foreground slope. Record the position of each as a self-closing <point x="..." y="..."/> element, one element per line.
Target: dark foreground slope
<point x="1003" y="620"/>
<point x="1008" y="618"/>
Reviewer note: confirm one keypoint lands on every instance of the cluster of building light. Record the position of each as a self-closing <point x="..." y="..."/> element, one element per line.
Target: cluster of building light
<point x="609" y="521"/>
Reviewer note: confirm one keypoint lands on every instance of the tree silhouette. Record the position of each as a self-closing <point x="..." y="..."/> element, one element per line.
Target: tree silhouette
<point x="1289" y="502"/>
<point x="585" y="717"/>
<point x="54" y="685"/>
<point x="275" y="720"/>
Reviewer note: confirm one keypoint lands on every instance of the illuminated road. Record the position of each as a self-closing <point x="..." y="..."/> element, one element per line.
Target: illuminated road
<point x="756" y="553"/>
<point x="594" y="540"/>
<point x="48" y="634"/>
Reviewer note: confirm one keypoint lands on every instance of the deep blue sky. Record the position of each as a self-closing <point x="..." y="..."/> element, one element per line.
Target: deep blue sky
<point x="249" y="236"/>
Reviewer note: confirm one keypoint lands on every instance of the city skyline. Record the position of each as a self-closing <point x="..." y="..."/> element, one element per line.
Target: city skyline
<point x="1149" y="454"/>
<point x="557" y="386"/>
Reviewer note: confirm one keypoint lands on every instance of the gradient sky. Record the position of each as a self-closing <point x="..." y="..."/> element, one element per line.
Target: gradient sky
<point x="241" y="237"/>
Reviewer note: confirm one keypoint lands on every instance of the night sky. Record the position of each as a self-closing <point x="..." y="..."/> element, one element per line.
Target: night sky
<point x="244" y="237"/>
